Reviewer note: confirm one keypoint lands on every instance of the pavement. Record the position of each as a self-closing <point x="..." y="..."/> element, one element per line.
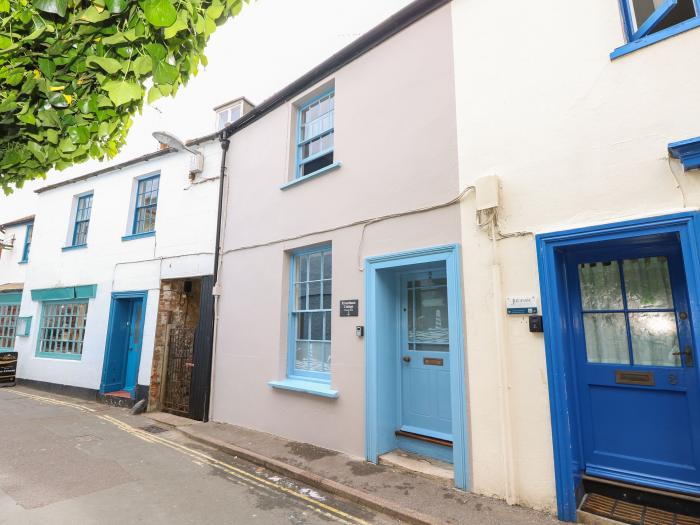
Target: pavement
<point x="402" y="494"/>
<point x="68" y="461"/>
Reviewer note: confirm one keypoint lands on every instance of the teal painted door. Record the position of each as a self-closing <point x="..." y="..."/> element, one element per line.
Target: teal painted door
<point x="135" y="337"/>
<point x="635" y="359"/>
<point x="425" y="355"/>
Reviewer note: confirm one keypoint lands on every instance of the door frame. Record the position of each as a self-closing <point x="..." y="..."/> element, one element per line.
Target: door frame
<point x="117" y="296"/>
<point x="380" y="377"/>
<point x="558" y="336"/>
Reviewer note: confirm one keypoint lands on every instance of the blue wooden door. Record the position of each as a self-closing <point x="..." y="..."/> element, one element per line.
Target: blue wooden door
<point x="135" y="337"/>
<point x="116" y="352"/>
<point x="636" y="366"/>
<point x="425" y="356"/>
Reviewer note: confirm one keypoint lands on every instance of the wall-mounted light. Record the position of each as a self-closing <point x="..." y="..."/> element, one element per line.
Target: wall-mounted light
<point x="170" y="140"/>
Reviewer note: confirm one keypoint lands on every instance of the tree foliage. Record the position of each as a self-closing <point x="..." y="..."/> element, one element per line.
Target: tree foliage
<point x="74" y="72"/>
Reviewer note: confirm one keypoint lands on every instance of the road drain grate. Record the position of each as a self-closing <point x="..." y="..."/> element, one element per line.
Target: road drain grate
<point x="632" y="513"/>
<point x="154" y="429"/>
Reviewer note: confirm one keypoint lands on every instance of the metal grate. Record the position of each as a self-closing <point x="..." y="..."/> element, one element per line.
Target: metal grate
<point x="154" y="429"/>
<point x="178" y="375"/>
<point x="632" y="513"/>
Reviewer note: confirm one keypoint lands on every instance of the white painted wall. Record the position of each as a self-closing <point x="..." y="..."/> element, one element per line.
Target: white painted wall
<point x="11" y="268"/>
<point x="576" y="139"/>
<point x="183" y="246"/>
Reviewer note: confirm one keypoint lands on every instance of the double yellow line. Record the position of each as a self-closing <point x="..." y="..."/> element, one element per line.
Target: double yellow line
<point x="53" y="401"/>
<point x="246" y="477"/>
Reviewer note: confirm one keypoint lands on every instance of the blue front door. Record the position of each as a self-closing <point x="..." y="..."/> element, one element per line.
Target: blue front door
<point x="123" y="353"/>
<point x="425" y="362"/>
<point x="635" y="366"/>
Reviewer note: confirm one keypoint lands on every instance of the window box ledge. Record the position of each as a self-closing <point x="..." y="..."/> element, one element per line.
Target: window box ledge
<point x="60" y="357"/>
<point x="75" y="247"/>
<point x="307" y="387"/>
<point x="133" y="236"/>
<point x="687" y="151"/>
<point x="313" y="175"/>
<point x="648" y="40"/>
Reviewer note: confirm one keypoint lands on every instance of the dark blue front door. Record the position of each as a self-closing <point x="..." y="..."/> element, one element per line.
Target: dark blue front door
<point x="635" y="366"/>
<point x="123" y="352"/>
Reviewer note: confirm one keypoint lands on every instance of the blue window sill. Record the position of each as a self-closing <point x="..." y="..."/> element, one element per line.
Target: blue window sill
<point x="655" y="37"/>
<point x="138" y="236"/>
<point x="23" y="262"/>
<point x="313" y="175"/>
<point x="74" y="247"/>
<point x="307" y="387"/>
<point x="62" y="357"/>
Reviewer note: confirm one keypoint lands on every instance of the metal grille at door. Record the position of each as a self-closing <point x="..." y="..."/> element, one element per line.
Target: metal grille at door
<point x="178" y="380"/>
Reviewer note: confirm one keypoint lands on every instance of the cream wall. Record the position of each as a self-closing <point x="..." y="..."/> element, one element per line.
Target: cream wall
<point x="576" y="139"/>
<point x="395" y="137"/>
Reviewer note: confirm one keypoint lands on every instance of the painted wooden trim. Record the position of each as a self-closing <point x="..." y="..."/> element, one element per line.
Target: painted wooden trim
<point x="73" y="247"/>
<point x="11" y="298"/>
<point x="634" y="45"/>
<point x="322" y="171"/>
<point x="549" y="247"/>
<point x="86" y="291"/>
<point x="450" y="255"/>
<point x="133" y="236"/>
<point x="306" y="387"/>
<point x="687" y="151"/>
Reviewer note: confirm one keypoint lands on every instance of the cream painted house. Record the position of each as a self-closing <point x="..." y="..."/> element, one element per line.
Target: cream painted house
<point x="477" y="242"/>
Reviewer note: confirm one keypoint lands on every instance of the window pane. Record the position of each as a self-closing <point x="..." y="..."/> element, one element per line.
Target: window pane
<point x="301" y="296"/>
<point x="647" y="283"/>
<point x="327" y="326"/>
<point x="600" y="286"/>
<point x="317" y="326"/>
<point x="327" y="294"/>
<point x="327" y="265"/>
<point x="643" y="9"/>
<point x="315" y="260"/>
<point x="606" y="338"/>
<point x="302" y="268"/>
<point x="315" y="295"/>
<point x="303" y="326"/>
<point x="654" y="339"/>
<point x="62" y="328"/>
<point x="431" y="320"/>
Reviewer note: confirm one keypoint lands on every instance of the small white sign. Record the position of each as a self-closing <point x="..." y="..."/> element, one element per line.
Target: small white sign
<point x="521" y="304"/>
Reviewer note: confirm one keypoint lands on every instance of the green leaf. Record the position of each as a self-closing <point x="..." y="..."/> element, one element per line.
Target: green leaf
<point x="156" y="51"/>
<point x="159" y="13"/>
<point x="58" y="100"/>
<point x="47" y="67"/>
<point x="117" y="6"/>
<point x="164" y="73"/>
<point x="37" y="151"/>
<point x="4" y="6"/>
<point x="79" y="135"/>
<point x="122" y="92"/>
<point x="178" y="25"/>
<point x="110" y="65"/>
<point x="52" y="136"/>
<point x="57" y="7"/>
<point x="94" y="15"/>
<point x="142" y="66"/>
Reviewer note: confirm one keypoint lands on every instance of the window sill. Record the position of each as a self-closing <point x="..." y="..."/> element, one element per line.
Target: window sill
<point x="655" y="37"/>
<point x="59" y="357"/>
<point x="313" y="175"/>
<point x="138" y="236"/>
<point x="74" y="247"/>
<point x="307" y="387"/>
<point x="23" y="262"/>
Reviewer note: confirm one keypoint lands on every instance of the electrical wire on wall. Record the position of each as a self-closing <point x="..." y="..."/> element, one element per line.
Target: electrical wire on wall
<point x="677" y="180"/>
<point x="487" y="220"/>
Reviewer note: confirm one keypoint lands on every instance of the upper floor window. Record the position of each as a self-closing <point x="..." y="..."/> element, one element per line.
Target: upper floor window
<point x="82" y="220"/>
<point x="310" y="340"/>
<point x="315" y="135"/>
<point x="146" y="205"/>
<point x="228" y="114"/>
<point x="647" y="17"/>
<point x="27" y="242"/>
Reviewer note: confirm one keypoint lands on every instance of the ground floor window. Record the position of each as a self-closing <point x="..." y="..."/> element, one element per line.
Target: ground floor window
<point x="310" y="338"/>
<point x="8" y="323"/>
<point x="62" y="329"/>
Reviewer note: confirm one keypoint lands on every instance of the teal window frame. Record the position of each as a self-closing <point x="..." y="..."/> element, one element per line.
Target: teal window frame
<point x="9" y="313"/>
<point x="81" y="223"/>
<point x="644" y="35"/>
<point x="29" y="233"/>
<point x="48" y="333"/>
<point x="306" y="313"/>
<point x="143" y="191"/>
<point x="304" y="139"/>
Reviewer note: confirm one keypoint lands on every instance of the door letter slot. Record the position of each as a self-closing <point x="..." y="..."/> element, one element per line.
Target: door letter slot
<point x="432" y="361"/>
<point x="625" y="377"/>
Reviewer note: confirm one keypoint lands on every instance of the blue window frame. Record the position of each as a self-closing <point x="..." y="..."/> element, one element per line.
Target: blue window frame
<point x="649" y="21"/>
<point x="8" y="325"/>
<point x="27" y="242"/>
<point x="146" y="205"/>
<point x="82" y="220"/>
<point x="62" y="329"/>
<point x="315" y="135"/>
<point x="310" y="315"/>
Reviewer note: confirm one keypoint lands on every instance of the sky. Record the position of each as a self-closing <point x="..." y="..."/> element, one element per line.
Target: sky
<point x="267" y="46"/>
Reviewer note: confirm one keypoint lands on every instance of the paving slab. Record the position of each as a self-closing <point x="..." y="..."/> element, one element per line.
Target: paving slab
<point x="406" y="495"/>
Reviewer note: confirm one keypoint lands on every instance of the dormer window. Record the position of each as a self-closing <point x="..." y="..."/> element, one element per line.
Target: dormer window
<point x="227" y="114"/>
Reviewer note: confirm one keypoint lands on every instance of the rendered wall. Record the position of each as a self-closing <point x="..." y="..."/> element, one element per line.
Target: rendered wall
<point x="183" y="246"/>
<point x="395" y="138"/>
<point x="576" y="139"/>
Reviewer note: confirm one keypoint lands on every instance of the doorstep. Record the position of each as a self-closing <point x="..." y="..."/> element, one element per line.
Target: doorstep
<point x="410" y="497"/>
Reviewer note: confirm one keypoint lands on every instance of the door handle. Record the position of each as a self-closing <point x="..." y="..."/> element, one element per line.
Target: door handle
<point x="406" y="359"/>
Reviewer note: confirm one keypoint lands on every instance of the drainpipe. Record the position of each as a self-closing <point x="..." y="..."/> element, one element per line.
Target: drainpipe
<point x="225" y="143"/>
